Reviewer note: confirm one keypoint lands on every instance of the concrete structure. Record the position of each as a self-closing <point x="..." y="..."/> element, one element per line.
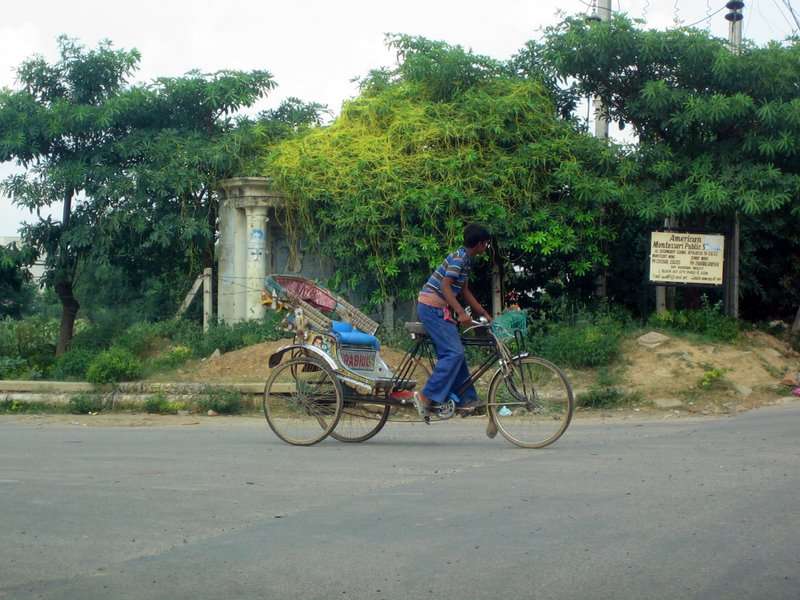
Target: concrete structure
<point x="37" y="269"/>
<point x="254" y="243"/>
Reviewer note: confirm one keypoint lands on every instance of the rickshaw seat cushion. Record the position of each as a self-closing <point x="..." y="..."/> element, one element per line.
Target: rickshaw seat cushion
<point x="346" y="334"/>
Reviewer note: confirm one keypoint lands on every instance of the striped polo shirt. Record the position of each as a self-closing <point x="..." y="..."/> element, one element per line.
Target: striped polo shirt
<point x="456" y="266"/>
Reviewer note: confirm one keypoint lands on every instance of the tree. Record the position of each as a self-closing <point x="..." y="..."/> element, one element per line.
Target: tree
<point x="718" y="132"/>
<point x="16" y="291"/>
<point x="134" y="166"/>
<point x="55" y="127"/>
<point x="445" y="138"/>
<point x="185" y="138"/>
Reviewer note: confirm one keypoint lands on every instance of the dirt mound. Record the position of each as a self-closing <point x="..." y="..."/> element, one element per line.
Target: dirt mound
<point x="738" y="376"/>
<point x="248" y="365"/>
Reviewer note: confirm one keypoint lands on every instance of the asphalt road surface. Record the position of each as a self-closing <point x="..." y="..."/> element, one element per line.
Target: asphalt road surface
<point x="694" y="508"/>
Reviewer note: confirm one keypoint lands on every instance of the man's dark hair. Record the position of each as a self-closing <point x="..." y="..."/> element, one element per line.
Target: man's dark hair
<point x="474" y="233"/>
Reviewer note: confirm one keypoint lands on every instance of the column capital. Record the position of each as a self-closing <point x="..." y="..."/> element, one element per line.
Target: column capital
<point x="246" y="192"/>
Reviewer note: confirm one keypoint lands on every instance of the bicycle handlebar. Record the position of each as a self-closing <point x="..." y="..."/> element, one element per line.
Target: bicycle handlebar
<point x="481" y="322"/>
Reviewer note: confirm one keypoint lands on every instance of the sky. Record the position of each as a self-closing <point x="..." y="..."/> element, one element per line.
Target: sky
<point x="315" y="48"/>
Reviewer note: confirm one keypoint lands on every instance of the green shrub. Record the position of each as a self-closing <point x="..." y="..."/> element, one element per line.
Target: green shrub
<point x="582" y="345"/>
<point x="710" y="376"/>
<point x="11" y="367"/>
<point x="73" y="365"/>
<point x="139" y="337"/>
<point x="36" y="338"/>
<point x="226" y="338"/>
<point x="709" y="321"/>
<point x="8" y="405"/>
<point x="8" y="337"/>
<point x="602" y="397"/>
<point x="115" y="364"/>
<point x="605" y="394"/>
<point x="221" y="400"/>
<point x="158" y="404"/>
<point x="83" y="404"/>
<point x="31" y="340"/>
<point x="174" y="357"/>
<point x="95" y="336"/>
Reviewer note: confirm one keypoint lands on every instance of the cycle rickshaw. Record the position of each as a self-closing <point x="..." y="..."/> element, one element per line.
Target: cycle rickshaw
<point x="331" y="380"/>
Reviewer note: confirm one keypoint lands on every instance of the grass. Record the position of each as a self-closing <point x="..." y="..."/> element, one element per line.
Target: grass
<point x="16" y="407"/>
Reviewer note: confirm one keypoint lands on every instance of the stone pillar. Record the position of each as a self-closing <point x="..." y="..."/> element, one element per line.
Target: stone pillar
<point x="225" y="254"/>
<point x="244" y="256"/>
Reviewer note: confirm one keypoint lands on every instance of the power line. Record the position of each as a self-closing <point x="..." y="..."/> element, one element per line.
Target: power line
<point x="706" y="18"/>
<point x="788" y="5"/>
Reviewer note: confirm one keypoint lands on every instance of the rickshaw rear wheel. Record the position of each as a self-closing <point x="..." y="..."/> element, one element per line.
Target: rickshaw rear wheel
<point x="359" y="421"/>
<point x="301" y="395"/>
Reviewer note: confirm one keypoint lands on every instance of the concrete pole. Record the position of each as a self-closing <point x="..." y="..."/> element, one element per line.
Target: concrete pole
<point x="600" y="122"/>
<point x="388" y="314"/>
<point x="731" y="291"/>
<point x="497" y="292"/>
<point x="735" y="18"/>
<point x="601" y="132"/>
<point x="207" y="298"/>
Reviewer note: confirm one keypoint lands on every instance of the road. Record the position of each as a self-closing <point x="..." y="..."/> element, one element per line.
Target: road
<point x="693" y="508"/>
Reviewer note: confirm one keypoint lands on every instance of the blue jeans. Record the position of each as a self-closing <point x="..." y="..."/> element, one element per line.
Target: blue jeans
<point x="451" y="368"/>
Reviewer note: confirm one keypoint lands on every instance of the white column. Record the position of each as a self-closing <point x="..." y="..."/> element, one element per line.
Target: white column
<point x="257" y="259"/>
<point x="245" y="245"/>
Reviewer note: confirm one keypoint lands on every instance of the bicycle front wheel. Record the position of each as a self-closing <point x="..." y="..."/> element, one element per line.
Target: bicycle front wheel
<point x="302" y="401"/>
<point x="532" y="406"/>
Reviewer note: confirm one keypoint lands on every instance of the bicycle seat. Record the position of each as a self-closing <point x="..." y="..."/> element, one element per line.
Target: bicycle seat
<point x="415" y="327"/>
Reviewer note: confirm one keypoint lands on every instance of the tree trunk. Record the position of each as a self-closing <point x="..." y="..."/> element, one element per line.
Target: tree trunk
<point x="796" y="325"/>
<point x="69" y="311"/>
<point x="63" y="287"/>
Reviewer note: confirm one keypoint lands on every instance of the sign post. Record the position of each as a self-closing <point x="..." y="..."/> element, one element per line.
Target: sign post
<point x="683" y="258"/>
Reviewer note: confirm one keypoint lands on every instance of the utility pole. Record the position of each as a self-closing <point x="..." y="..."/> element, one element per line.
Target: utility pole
<point x="731" y="291"/>
<point x="601" y="12"/>
<point x="734" y="18"/>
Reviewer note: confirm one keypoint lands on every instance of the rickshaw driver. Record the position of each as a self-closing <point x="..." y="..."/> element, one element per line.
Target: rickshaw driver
<point x="436" y="304"/>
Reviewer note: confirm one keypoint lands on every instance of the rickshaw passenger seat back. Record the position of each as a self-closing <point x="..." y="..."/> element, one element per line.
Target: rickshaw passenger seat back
<point x="347" y="334"/>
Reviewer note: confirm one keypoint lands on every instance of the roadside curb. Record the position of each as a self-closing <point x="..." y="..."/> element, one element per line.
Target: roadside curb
<point x="137" y="392"/>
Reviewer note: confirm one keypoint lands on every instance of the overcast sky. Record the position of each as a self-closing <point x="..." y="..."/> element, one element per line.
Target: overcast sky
<point x="314" y="48"/>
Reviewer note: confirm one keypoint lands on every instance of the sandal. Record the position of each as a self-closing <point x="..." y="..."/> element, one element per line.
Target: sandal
<point x="422" y="408"/>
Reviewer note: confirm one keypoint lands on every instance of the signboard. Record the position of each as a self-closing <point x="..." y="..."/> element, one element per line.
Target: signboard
<point x="688" y="258"/>
<point x="358" y="360"/>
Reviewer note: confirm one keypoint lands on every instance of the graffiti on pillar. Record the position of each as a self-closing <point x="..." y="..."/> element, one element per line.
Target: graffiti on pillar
<point x="256" y="248"/>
